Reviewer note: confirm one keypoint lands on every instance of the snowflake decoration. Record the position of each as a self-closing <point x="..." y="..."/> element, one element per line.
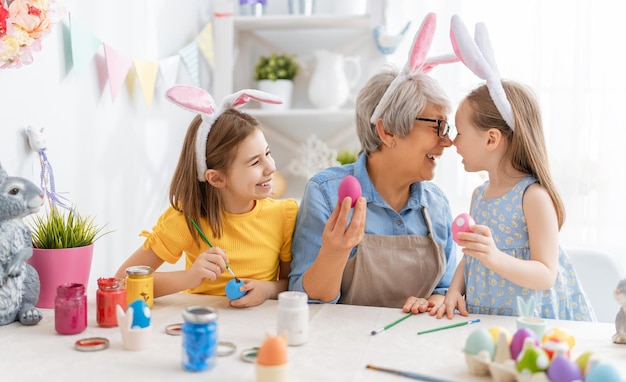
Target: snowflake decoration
<point x="314" y="156"/>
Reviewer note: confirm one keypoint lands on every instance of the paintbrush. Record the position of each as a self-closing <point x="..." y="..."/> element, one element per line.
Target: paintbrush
<point x="206" y="240"/>
<point x="408" y="374"/>
<point x="450" y="326"/>
<point x="374" y="332"/>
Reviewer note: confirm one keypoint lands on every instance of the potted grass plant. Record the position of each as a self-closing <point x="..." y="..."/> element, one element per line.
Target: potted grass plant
<point x="62" y="249"/>
<point x="275" y="74"/>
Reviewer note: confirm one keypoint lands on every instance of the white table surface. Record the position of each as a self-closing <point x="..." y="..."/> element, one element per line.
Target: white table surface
<point x="338" y="349"/>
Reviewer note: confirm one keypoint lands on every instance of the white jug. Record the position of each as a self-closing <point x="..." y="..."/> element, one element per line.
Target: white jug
<point x="330" y="86"/>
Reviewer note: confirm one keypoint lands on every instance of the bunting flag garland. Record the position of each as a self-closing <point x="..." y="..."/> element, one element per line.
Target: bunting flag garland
<point x="147" y="72"/>
<point x="117" y="67"/>
<point x="81" y="45"/>
<point x="205" y="44"/>
<point x="168" y="67"/>
<point x="85" y="44"/>
<point x="189" y="55"/>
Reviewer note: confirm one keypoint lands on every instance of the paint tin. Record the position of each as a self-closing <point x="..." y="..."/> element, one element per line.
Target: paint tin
<point x="140" y="284"/>
<point x="111" y="292"/>
<point x="199" y="333"/>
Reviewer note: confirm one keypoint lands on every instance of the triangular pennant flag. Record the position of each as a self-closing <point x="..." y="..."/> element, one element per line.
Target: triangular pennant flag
<point x="85" y="44"/>
<point x="205" y="44"/>
<point x="189" y="55"/>
<point x="147" y="73"/>
<point x="117" y="67"/>
<point x="169" y="70"/>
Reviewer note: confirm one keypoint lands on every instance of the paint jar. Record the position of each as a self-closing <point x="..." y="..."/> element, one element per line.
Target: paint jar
<point x="70" y="309"/>
<point x="111" y="292"/>
<point x="140" y="284"/>
<point x="293" y="317"/>
<point x="199" y="334"/>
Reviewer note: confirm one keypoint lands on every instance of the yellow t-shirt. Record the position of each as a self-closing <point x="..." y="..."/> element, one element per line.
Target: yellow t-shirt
<point x="254" y="242"/>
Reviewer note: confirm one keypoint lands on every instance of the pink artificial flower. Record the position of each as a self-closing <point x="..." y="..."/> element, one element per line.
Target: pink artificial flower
<point x="28" y="17"/>
<point x="3" y="20"/>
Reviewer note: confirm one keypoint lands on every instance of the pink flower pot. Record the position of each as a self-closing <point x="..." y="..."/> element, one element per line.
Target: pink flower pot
<point x="60" y="266"/>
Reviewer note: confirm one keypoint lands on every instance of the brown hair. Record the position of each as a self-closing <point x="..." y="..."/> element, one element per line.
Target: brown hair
<point x="196" y="199"/>
<point x="527" y="149"/>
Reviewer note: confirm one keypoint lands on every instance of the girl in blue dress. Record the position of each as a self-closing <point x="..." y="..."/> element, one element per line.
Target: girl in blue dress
<point x="514" y="247"/>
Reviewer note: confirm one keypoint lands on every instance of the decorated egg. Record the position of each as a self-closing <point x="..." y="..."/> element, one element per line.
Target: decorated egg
<point x="517" y="342"/>
<point x="351" y="187"/>
<point x="273" y="352"/>
<point x="532" y="359"/>
<point x="480" y="340"/>
<point x="583" y="360"/>
<point x="141" y="314"/>
<point x="559" y="334"/>
<point x="232" y="289"/>
<point x="461" y="224"/>
<point x="495" y="333"/>
<point x="603" y="372"/>
<point x="554" y="347"/>
<point x="562" y="369"/>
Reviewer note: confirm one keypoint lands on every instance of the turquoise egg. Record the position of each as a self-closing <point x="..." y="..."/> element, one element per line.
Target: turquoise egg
<point x="232" y="289"/>
<point x="480" y="340"/>
<point x="603" y="372"/>
<point x="141" y="314"/>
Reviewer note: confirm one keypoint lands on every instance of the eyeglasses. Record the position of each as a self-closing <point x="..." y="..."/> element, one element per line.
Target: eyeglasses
<point x="443" y="127"/>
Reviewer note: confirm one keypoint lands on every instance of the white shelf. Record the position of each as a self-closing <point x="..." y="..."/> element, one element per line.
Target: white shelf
<point x="290" y="22"/>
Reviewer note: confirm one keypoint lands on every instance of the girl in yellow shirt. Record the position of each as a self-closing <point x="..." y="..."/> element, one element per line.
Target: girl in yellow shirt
<point x="222" y="183"/>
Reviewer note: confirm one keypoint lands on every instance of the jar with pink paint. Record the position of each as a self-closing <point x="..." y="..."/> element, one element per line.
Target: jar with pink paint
<point x="70" y="309"/>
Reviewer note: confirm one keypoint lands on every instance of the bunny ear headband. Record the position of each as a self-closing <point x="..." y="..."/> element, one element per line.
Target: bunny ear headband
<point x="479" y="58"/>
<point x="416" y="63"/>
<point x="200" y="101"/>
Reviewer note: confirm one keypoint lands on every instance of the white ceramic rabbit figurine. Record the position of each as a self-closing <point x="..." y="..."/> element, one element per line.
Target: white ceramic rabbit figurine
<point x="19" y="282"/>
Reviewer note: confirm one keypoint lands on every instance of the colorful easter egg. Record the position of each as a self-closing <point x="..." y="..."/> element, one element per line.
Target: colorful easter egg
<point x="559" y="334"/>
<point x="562" y="369"/>
<point x="461" y="224"/>
<point x="583" y="360"/>
<point x="232" y="289"/>
<point x="603" y="372"/>
<point x="532" y="359"/>
<point x="273" y="352"/>
<point x="351" y="187"/>
<point x="480" y="340"/>
<point x="141" y="314"/>
<point x="517" y="342"/>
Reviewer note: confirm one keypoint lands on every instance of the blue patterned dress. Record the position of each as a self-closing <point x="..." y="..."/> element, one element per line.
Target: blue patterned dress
<point x="489" y="293"/>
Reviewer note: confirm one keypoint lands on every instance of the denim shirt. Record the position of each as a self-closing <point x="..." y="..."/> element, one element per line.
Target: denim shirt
<point x="320" y="198"/>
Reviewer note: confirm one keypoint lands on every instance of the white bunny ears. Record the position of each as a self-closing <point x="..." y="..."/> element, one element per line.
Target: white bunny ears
<point x="479" y="58"/>
<point x="200" y="101"/>
<point x="416" y="63"/>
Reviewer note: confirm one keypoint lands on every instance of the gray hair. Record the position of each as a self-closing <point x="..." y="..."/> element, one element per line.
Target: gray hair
<point x="408" y="101"/>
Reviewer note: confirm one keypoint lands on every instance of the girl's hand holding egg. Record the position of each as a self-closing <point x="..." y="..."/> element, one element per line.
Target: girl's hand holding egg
<point x="461" y="224"/>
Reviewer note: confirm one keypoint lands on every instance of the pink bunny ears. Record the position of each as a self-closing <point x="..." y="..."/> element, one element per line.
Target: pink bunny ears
<point x="478" y="56"/>
<point x="200" y="101"/>
<point x="416" y="63"/>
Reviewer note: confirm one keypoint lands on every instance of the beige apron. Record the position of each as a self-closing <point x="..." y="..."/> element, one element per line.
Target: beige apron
<point x="387" y="269"/>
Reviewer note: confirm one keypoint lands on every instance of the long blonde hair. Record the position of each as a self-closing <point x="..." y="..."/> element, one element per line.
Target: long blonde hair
<point x="527" y="149"/>
<point x="197" y="199"/>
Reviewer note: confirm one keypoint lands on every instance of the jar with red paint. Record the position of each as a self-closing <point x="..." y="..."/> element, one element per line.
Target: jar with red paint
<point x="70" y="309"/>
<point x="111" y="292"/>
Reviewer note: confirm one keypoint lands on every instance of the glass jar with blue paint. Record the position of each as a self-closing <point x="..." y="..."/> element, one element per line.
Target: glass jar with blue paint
<point x="199" y="334"/>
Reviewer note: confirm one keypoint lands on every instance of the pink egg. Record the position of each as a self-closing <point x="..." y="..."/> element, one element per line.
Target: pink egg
<point x="351" y="187"/>
<point x="461" y="224"/>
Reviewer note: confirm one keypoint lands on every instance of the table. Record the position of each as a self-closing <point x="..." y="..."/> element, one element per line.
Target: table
<point x="338" y="349"/>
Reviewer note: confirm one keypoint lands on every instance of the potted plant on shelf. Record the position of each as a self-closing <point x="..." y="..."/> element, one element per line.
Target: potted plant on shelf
<point x="62" y="250"/>
<point x="275" y="74"/>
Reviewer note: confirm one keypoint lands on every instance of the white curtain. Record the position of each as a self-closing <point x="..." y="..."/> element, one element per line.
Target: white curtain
<point x="567" y="52"/>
